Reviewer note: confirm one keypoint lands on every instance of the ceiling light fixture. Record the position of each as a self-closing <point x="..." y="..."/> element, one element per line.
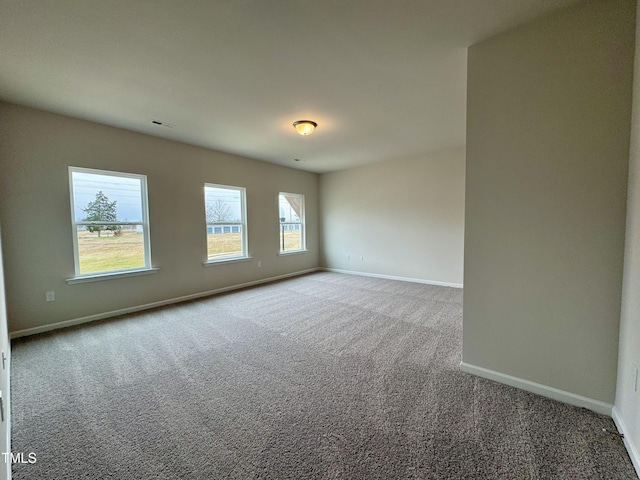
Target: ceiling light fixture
<point x="305" y="127"/>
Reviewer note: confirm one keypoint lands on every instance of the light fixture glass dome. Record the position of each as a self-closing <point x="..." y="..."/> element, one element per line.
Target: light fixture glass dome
<point x="305" y="127"/>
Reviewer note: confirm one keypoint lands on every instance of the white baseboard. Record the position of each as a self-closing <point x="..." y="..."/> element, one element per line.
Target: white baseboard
<point x="634" y="453"/>
<point x="540" y="389"/>
<point x="393" y="277"/>
<point x="147" y="306"/>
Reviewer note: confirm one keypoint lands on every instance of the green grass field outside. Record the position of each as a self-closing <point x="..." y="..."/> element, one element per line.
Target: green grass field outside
<point x="109" y="253"/>
<point x="224" y="245"/>
<point x="292" y="240"/>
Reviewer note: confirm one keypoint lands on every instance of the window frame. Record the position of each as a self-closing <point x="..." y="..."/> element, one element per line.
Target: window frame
<point x="243" y="224"/>
<point x="303" y="228"/>
<point x="144" y="223"/>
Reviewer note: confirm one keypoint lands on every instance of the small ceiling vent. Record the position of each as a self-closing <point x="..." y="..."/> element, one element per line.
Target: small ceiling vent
<point x="161" y="124"/>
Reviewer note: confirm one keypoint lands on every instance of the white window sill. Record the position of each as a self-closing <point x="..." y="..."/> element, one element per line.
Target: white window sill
<point x="109" y="276"/>
<point x="293" y="252"/>
<point x="210" y="263"/>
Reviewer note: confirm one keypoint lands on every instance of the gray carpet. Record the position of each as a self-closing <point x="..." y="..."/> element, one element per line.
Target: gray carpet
<point x="325" y="376"/>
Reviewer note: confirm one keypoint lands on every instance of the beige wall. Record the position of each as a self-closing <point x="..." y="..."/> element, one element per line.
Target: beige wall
<point x="35" y="151"/>
<point x="405" y="218"/>
<point x="548" y="121"/>
<point x="627" y="399"/>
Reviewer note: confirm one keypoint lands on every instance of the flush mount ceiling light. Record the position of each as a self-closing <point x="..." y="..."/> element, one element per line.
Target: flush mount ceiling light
<point x="305" y="127"/>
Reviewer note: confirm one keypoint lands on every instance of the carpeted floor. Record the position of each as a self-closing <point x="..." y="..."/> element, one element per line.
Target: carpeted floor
<point x="325" y="376"/>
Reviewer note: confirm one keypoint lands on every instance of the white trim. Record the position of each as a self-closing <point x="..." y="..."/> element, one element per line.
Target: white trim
<point x="110" y="276"/>
<point x="144" y="221"/>
<point x="302" y="223"/>
<point x="210" y="263"/>
<point x="292" y="252"/>
<point x="393" y="277"/>
<point x="243" y="213"/>
<point x="540" y="389"/>
<point x="123" y="311"/>
<point x="83" y="222"/>
<point x="7" y="405"/>
<point x="632" y="449"/>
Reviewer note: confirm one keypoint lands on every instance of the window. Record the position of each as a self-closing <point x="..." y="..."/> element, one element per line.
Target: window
<point x="226" y="222"/>
<point x="291" y="222"/>
<point x="110" y="222"/>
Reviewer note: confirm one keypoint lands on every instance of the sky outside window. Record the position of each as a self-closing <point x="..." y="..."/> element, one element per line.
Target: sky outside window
<point x="125" y="191"/>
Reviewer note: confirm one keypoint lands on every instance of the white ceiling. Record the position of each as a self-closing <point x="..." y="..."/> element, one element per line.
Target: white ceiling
<point x="383" y="79"/>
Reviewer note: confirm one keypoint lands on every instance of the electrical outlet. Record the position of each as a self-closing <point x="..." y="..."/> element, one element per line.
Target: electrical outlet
<point x="634" y="377"/>
<point x="259" y="264"/>
<point x="348" y="257"/>
<point x="50" y="296"/>
<point x="361" y="258"/>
